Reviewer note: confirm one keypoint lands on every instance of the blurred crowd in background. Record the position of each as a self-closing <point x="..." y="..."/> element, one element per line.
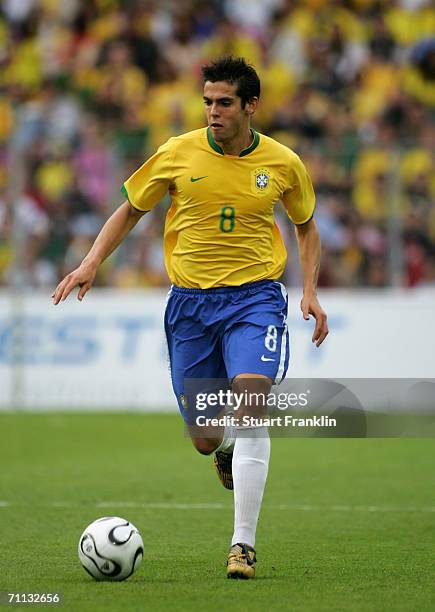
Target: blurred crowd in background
<point x="90" y="88"/>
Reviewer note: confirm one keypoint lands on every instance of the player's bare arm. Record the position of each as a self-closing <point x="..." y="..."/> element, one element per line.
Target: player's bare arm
<point x="309" y="255"/>
<point x="110" y="237"/>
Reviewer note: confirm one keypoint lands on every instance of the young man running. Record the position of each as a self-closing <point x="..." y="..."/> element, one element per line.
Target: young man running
<point x="226" y="316"/>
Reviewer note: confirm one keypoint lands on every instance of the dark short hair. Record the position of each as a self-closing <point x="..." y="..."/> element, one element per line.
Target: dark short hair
<point x="237" y="71"/>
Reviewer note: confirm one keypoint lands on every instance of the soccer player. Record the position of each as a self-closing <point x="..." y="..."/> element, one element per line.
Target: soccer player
<point x="226" y="316"/>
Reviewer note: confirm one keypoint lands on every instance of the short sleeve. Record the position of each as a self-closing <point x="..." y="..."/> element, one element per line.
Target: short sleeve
<point x="149" y="184"/>
<point x="299" y="199"/>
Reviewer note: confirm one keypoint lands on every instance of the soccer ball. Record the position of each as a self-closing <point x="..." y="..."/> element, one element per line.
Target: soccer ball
<point x="110" y="548"/>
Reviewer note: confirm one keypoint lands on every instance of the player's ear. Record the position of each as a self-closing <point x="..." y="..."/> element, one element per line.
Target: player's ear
<point x="251" y="105"/>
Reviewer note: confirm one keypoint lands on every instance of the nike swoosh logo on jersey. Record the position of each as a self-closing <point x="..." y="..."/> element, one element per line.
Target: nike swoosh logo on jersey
<point x="263" y="358"/>
<point x="198" y="178"/>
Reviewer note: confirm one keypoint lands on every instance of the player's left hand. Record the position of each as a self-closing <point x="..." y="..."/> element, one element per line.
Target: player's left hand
<point x="310" y="306"/>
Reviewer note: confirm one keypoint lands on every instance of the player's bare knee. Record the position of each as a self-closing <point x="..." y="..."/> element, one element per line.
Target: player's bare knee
<point x="254" y="391"/>
<point x="252" y="384"/>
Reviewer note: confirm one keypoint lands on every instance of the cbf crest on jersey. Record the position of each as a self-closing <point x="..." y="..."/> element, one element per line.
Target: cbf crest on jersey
<point x="261" y="178"/>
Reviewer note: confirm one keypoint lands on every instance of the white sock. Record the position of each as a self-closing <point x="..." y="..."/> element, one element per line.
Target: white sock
<point x="250" y="465"/>
<point x="229" y="439"/>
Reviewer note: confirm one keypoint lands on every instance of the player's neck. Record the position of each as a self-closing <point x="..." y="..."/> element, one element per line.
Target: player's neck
<point x="239" y="143"/>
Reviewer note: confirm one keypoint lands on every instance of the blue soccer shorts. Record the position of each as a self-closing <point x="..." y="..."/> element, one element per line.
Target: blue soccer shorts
<point x="220" y="333"/>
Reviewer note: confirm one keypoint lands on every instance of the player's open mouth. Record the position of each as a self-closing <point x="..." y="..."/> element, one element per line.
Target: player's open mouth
<point x="216" y="126"/>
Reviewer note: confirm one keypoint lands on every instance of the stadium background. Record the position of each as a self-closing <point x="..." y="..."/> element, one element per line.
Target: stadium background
<point x="89" y="89"/>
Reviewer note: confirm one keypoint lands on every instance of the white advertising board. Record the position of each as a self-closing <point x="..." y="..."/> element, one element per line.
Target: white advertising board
<point x="109" y="351"/>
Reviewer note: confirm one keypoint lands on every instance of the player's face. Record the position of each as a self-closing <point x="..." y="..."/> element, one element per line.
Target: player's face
<point x="225" y="115"/>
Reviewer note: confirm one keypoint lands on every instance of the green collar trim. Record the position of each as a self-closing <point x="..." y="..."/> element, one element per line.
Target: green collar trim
<point x="252" y="146"/>
<point x="125" y="193"/>
<point x="214" y="145"/>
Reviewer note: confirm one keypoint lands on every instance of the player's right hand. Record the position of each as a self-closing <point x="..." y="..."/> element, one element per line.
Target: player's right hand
<point x="82" y="277"/>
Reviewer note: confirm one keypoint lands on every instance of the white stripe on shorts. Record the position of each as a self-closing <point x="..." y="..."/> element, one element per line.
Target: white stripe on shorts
<point x="280" y="373"/>
<point x="168" y="357"/>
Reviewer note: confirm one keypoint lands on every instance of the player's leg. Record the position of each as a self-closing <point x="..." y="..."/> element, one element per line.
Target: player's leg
<point x="256" y="353"/>
<point x="218" y="439"/>
<point x="249" y="468"/>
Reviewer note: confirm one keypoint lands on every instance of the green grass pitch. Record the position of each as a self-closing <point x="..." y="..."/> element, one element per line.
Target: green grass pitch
<point x="345" y="525"/>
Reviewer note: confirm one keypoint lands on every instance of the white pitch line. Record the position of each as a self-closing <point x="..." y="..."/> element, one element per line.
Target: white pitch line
<point x="163" y="506"/>
<point x="220" y="506"/>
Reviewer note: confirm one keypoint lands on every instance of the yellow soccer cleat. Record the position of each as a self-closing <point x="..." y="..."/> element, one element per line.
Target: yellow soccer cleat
<point x="241" y="562"/>
<point x="223" y="463"/>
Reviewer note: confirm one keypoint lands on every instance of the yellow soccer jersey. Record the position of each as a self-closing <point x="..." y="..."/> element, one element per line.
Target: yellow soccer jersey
<point x="220" y="229"/>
